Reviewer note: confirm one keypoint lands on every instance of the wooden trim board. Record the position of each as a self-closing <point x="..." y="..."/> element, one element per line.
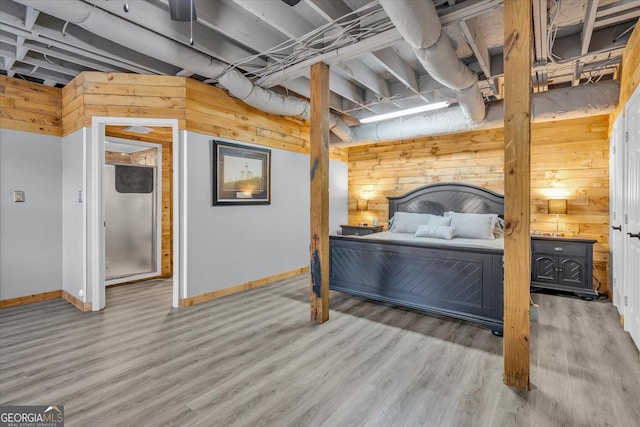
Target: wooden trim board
<point x="30" y="299"/>
<point x="197" y="299"/>
<point x="82" y="306"/>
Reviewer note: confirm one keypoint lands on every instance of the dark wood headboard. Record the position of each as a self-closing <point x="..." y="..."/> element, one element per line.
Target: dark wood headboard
<point x="442" y="197"/>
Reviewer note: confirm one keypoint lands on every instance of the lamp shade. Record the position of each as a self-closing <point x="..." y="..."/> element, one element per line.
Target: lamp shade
<point x="557" y="206"/>
<point x="362" y="205"/>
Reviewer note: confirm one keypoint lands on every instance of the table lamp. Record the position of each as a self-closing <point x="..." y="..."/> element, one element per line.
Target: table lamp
<point x="557" y="207"/>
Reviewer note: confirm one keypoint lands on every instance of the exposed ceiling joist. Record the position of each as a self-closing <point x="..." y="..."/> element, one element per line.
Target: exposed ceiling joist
<point x="479" y="48"/>
<point x="301" y="87"/>
<point x="467" y="10"/>
<point x="73" y="44"/>
<point x="540" y="17"/>
<point x="617" y="7"/>
<point x="345" y="53"/>
<point x="587" y="30"/>
<point x="363" y="74"/>
<point x="279" y="16"/>
<point x="626" y="15"/>
<point x="155" y="19"/>
<point x="346" y="89"/>
<point x="66" y="51"/>
<point x="238" y="25"/>
<point x="398" y="68"/>
<point x="330" y="10"/>
<point x="30" y="16"/>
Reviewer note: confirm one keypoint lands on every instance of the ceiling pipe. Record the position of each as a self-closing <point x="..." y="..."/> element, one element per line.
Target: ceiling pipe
<point x="120" y="31"/>
<point x="558" y="104"/>
<point x="419" y="25"/>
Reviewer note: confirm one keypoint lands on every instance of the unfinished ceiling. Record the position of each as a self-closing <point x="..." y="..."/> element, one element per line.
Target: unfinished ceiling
<point x="373" y="69"/>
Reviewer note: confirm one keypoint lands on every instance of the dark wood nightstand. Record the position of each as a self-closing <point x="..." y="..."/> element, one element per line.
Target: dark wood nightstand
<point x="360" y="230"/>
<point x="563" y="264"/>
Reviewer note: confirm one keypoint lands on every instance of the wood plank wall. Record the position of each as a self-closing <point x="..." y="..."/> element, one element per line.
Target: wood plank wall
<point x="30" y="107"/>
<point x="199" y="107"/>
<point x="630" y="77"/>
<point x="569" y="159"/>
<point x="121" y="95"/>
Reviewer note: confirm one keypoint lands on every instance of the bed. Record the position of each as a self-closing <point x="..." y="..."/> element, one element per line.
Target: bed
<point x="455" y="278"/>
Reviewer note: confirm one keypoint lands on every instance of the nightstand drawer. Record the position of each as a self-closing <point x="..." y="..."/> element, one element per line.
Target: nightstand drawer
<point x="559" y="248"/>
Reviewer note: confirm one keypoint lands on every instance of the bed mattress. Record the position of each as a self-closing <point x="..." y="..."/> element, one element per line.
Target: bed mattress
<point x="455" y="242"/>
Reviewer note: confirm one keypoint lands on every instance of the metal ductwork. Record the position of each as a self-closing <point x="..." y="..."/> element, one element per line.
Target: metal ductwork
<point x="559" y="104"/>
<point x="134" y="37"/>
<point x="419" y="25"/>
<point x="182" y="10"/>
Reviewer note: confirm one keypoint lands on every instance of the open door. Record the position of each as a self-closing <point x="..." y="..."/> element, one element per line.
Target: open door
<point x="632" y="218"/>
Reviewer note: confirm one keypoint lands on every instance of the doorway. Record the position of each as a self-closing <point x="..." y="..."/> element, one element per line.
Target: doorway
<point x="133" y="206"/>
<point x="118" y="130"/>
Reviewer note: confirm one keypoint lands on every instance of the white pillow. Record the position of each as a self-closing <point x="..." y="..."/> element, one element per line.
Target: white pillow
<point x="439" y="220"/>
<point x="498" y="230"/>
<point x="473" y="225"/>
<point x="408" y="222"/>
<point x="437" y="231"/>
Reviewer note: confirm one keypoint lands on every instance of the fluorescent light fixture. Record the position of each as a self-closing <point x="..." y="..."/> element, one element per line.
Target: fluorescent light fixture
<point x="138" y="129"/>
<point x="421" y="109"/>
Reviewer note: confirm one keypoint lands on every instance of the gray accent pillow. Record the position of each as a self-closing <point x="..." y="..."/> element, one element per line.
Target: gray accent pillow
<point x="408" y="222"/>
<point x="473" y="225"/>
<point x="437" y="231"/>
<point x="439" y="220"/>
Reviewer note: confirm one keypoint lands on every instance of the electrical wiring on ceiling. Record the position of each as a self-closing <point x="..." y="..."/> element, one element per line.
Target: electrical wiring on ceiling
<point x="338" y="33"/>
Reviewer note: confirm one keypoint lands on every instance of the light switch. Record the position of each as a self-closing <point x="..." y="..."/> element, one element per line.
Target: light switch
<point x="18" y="196"/>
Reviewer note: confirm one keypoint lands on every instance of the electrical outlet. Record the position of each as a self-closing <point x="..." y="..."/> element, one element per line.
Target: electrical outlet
<point x="18" y="196"/>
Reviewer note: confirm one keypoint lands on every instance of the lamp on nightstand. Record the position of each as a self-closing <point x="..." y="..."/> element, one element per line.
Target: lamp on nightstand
<point x="363" y="205"/>
<point x="557" y="207"/>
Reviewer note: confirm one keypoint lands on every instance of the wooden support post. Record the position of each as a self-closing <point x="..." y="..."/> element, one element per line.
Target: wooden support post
<point x="319" y="156"/>
<point x="517" y="188"/>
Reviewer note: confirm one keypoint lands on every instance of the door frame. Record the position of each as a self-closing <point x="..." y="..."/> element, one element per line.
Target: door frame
<point x="617" y="167"/>
<point x="157" y="210"/>
<point x="96" y="214"/>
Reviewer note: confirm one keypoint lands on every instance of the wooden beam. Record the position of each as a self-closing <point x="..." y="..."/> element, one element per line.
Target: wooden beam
<point x="319" y="168"/>
<point x="517" y="186"/>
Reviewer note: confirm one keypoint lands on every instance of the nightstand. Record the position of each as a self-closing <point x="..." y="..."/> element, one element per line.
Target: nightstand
<point x="563" y="264"/>
<point x="360" y="230"/>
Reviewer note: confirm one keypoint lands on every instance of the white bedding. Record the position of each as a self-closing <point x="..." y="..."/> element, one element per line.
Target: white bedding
<point x="458" y="241"/>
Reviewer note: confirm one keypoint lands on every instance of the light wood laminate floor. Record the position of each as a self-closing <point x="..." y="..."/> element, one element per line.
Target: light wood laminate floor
<point x="255" y="359"/>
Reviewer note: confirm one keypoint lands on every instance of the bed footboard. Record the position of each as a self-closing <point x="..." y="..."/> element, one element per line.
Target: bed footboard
<point x="464" y="283"/>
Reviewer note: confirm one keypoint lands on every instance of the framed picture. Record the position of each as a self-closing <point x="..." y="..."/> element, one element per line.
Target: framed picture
<point x="241" y="174"/>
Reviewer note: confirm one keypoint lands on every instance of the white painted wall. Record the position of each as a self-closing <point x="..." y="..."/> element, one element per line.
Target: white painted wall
<point x="230" y="245"/>
<point x="74" y="214"/>
<point x="30" y="232"/>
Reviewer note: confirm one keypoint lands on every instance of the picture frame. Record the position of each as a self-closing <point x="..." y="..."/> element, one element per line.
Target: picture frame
<point x="241" y="174"/>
